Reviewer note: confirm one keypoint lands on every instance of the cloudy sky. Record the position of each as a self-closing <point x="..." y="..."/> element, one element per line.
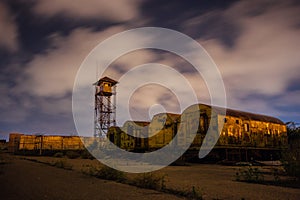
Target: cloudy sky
<point x="255" y="45"/>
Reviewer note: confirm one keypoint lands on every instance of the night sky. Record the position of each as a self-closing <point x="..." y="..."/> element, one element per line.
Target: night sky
<point x="255" y="45"/>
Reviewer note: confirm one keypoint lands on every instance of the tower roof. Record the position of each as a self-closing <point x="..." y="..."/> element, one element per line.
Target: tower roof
<point x="106" y="79"/>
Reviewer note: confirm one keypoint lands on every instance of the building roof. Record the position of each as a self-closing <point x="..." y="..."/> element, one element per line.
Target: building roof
<point x="246" y="115"/>
<point x="139" y="123"/>
<point x="173" y="116"/>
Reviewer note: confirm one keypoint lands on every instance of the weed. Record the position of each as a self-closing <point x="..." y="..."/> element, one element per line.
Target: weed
<point x="106" y="173"/>
<point x="150" y="181"/>
<point x="196" y="193"/>
<point x="275" y="173"/>
<point x="62" y="164"/>
<point x="292" y="167"/>
<point x="193" y="193"/>
<point x="249" y="174"/>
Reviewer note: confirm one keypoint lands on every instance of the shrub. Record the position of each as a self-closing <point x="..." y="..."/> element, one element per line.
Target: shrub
<point x="63" y="164"/>
<point x="291" y="158"/>
<point x="194" y="193"/>
<point x="249" y="174"/>
<point x="291" y="162"/>
<point x="292" y="168"/>
<point x="275" y="173"/>
<point x="106" y="173"/>
<point x="150" y="181"/>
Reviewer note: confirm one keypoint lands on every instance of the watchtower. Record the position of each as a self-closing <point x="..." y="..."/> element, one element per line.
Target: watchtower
<point x="105" y="106"/>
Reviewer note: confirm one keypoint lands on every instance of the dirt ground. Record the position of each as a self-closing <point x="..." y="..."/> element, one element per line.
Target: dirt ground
<point x="27" y="178"/>
<point x="218" y="182"/>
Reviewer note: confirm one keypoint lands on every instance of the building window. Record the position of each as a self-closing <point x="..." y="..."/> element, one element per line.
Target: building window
<point x="203" y="123"/>
<point x="225" y="120"/>
<point x="247" y="127"/>
<point x="237" y="121"/>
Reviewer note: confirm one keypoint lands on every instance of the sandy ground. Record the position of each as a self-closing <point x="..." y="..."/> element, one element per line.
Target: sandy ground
<point x="22" y="179"/>
<point x="214" y="182"/>
<point x="218" y="182"/>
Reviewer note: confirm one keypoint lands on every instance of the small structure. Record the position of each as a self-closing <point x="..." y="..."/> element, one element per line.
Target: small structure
<point x="105" y="106"/>
<point x="14" y="141"/>
<point x="138" y="129"/>
<point x="162" y="129"/>
<point x="133" y="136"/>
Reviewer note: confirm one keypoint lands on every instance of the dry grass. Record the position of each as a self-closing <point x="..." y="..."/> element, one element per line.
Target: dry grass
<point x="202" y="181"/>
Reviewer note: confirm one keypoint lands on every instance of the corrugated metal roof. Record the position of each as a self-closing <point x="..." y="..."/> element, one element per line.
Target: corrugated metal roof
<point x="139" y="123"/>
<point x="246" y="115"/>
<point x="173" y="116"/>
<point x="107" y="79"/>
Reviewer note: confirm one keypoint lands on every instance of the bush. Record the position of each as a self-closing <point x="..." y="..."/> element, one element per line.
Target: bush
<point x="150" y="181"/>
<point x="63" y="164"/>
<point x="106" y="173"/>
<point x="276" y="173"/>
<point x="291" y="158"/>
<point x="72" y="154"/>
<point x="291" y="162"/>
<point x="292" y="168"/>
<point x="249" y="174"/>
<point x="195" y="193"/>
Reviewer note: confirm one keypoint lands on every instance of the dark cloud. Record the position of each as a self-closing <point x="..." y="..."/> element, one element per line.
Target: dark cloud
<point x="171" y="13"/>
<point x="9" y="30"/>
<point x="254" y="43"/>
<point x="195" y="18"/>
<point x="294" y="84"/>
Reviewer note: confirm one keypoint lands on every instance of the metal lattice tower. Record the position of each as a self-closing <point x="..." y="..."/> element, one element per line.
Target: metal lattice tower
<point x="105" y="106"/>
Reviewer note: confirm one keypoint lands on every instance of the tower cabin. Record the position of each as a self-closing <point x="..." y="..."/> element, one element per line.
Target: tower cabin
<point x="105" y="86"/>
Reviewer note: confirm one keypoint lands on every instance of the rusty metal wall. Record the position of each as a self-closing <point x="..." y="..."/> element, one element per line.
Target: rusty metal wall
<point x="21" y="142"/>
<point x="238" y="131"/>
<point x="162" y="129"/>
